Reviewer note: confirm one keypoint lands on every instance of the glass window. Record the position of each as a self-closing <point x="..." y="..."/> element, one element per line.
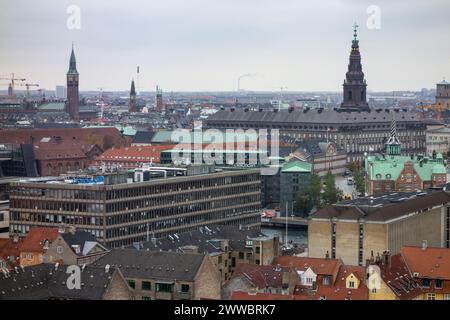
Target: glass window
<point x="438" y="284"/>
<point x="431" y="296"/>
<point x="184" y="288"/>
<point x="146" y="285"/>
<point x="426" y="283"/>
<point x="164" y="287"/>
<point x="132" y="284"/>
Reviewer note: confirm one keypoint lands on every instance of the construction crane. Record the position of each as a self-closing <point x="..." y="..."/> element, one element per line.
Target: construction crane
<point x="281" y="96"/>
<point x="28" y="85"/>
<point x="41" y="94"/>
<point x="12" y="78"/>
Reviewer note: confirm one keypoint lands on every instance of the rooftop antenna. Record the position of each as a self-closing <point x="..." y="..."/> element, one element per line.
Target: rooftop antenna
<point x="138" y="91"/>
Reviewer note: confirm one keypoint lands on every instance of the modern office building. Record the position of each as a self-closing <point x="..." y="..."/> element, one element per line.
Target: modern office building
<point x="120" y="213"/>
<point x="357" y="230"/>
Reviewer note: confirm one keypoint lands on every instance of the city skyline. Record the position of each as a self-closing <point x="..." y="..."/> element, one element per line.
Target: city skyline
<point x="212" y="45"/>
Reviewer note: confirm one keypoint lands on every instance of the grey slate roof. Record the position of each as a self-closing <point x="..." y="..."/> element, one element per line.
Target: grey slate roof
<point x="79" y="238"/>
<point x="326" y="116"/>
<point x="43" y="282"/>
<point x="165" y="266"/>
<point x="204" y="240"/>
<point x="143" y="137"/>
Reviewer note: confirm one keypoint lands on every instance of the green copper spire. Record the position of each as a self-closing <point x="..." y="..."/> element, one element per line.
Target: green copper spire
<point x="72" y="63"/>
<point x="355" y="42"/>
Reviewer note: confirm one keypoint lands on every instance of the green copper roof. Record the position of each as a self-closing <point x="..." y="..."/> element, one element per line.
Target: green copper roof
<point x="395" y="165"/>
<point x="443" y="82"/>
<point x="60" y="106"/>
<point x="127" y="131"/>
<point x="72" y="64"/>
<point x="296" y="166"/>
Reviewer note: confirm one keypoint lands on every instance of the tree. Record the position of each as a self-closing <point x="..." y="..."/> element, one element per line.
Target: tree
<point x="331" y="193"/>
<point x="359" y="182"/>
<point x="303" y="202"/>
<point x="308" y="198"/>
<point x="315" y="189"/>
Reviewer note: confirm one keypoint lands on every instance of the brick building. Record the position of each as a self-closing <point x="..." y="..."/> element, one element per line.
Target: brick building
<point x="165" y="275"/>
<point x="226" y="245"/>
<point x="394" y="172"/>
<point x="48" y="282"/>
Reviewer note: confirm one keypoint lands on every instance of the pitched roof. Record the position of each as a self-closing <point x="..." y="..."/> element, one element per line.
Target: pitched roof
<point x="242" y="295"/>
<point x="45" y="281"/>
<point x="88" y="135"/>
<point x="398" y="278"/>
<point x="85" y="240"/>
<point x="296" y="166"/>
<point x="432" y="263"/>
<point x="394" y="166"/>
<point x="261" y="276"/>
<point x="154" y="264"/>
<point x="299" y="117"/>
<point x="47" y="148"/>
<point x="36" y="237"/>
<point x="10" y="251"/>
<point x="206" y="241"/>
<point x="134" y="153"/>
<point x="320" y="266"/>
<point x="142" y="137"/>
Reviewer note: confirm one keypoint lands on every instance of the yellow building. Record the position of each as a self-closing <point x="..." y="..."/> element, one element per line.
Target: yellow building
<point x="35" y="244"/>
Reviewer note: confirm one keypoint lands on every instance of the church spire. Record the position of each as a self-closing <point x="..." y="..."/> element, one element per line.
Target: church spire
<point x="72" y="63"/>
<point x="354" y="84"/>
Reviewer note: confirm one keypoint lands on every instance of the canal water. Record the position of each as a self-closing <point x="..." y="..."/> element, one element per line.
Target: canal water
<point x="299" y="236"/>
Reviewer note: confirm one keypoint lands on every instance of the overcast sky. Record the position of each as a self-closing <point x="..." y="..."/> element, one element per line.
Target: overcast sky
<point x="204" y="45"/>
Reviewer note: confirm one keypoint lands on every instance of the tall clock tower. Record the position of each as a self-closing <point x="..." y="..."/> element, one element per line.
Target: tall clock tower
<point x="73" y="104"/>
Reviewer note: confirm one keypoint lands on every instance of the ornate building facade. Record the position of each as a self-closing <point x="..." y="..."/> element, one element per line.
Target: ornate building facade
<point x="392" y="171"/>
<point x="354" y="126"/>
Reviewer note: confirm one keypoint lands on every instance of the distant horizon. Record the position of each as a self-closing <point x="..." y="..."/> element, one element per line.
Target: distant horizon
<point x="198" y="46"/>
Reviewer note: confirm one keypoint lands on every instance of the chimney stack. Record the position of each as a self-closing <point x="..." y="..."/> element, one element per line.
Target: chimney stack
<point x="424" y="245"/>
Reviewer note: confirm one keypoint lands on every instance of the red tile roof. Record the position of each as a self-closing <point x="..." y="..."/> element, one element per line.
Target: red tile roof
<point x="261" y="276"/>
<point x="97" y="136"/>
<point x="241" y="295"/>
<point x="398" y="278"/>
<point x="429" y="263"/>
<point x="338" y="290"/>
<point x="320" y="266"/>
<point x="34" y="241"/>
<point x="134" y="154"/>
<point x="10" y="251"/>
<point x="50" y="150"/>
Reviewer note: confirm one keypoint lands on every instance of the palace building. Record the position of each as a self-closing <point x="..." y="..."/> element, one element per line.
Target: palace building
<point x="354" y="126"/>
